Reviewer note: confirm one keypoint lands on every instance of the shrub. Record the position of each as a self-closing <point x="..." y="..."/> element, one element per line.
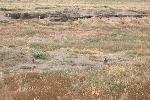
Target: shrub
<point x="40" y="55"/>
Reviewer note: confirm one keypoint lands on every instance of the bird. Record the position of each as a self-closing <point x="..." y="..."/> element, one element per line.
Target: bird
<point x="105" y="60"/>
<point x="39" y="17"/>
<point x="33" y="67"/>
<point x="33" y="60"/>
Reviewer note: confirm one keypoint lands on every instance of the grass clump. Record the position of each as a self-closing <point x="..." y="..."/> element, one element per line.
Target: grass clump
<point x="116" y="42"/>
<point x="45" y="47"/>
<point x="37" y="46"/>
<point x="40" y="55"/>
<point x="30" y="32"/>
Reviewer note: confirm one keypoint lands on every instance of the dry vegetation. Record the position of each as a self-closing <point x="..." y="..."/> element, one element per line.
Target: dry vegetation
<point x="42" y="59"/>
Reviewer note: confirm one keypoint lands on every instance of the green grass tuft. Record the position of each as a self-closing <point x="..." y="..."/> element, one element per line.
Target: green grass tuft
<point x="40" y="55"/>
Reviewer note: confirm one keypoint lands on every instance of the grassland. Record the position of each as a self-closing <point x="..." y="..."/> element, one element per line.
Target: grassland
<point x="43" y="60"/>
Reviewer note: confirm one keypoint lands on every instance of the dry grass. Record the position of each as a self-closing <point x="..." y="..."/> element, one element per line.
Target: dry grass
<point x="59" y="4"/>
<point x="30" y="86"/>
<point x="119" y="82"/>
<point x="68" y="56"/>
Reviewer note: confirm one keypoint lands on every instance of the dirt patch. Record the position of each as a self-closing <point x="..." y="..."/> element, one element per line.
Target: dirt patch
<point x="11" y="58"/>
<point x="3" y="17"/>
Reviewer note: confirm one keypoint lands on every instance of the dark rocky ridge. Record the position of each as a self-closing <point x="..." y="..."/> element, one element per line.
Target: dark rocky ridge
<point x="66" y="15"/>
